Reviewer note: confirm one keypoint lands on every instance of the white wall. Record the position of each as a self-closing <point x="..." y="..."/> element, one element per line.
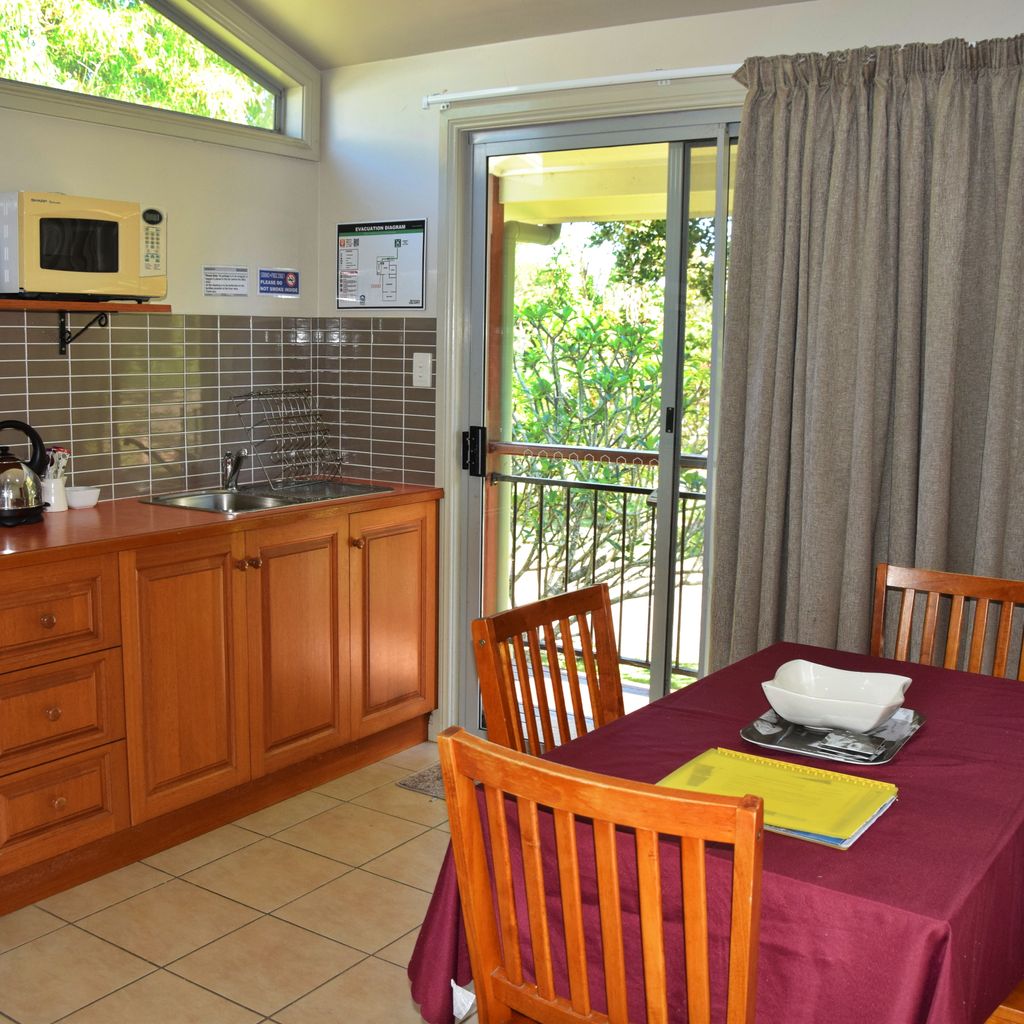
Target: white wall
<point x="224" y="205"/>
<point x="382" y="150"/>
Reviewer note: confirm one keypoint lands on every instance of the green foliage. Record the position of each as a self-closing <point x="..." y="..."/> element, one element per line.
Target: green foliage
<point x="587" y="372"/>
<point x="124" y="50"/>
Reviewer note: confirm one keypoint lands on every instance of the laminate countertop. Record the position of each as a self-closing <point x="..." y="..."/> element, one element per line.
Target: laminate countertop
<point x="130" y="522"/>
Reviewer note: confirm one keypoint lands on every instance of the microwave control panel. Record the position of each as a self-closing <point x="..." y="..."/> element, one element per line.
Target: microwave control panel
<point x="153" y="250"/>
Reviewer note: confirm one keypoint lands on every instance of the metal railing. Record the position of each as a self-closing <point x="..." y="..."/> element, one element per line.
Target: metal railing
<point x="566" y="533"/>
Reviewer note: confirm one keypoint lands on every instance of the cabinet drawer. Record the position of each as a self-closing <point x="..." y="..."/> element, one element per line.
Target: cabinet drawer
<point x="54" y="710"/>
<point x="56" y="807"/>
<point x="58" y="610"/>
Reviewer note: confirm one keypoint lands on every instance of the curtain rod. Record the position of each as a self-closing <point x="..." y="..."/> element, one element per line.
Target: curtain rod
<point x="446" y="99"/>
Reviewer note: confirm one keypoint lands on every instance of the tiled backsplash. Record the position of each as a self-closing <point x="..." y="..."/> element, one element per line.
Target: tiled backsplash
<point x="145" y="404"/>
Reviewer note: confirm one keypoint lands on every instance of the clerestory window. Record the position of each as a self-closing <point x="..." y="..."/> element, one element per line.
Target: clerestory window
<point x="162" y="55"/>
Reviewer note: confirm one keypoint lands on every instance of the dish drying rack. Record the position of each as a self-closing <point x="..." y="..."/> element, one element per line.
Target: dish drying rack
<point x="287" y="435"/>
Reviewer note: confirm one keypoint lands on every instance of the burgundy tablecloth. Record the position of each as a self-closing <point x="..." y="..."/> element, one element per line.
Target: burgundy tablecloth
<point x="920" y="922"/>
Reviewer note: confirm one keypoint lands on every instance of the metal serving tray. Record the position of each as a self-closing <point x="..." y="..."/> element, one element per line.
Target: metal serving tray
<point x="876" y="747"/>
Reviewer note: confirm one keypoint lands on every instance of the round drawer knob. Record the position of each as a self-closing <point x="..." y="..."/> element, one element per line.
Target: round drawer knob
<point x="53" y="714"/>
<point x="59" y="803"/>
<point x="358" y="542"/>
<point x="48" y="621"/>
<point x="255" y="563"/>
<point x="242" y="563"/>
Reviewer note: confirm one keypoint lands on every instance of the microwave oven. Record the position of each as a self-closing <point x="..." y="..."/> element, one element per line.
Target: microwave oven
<point x="54" y="246"/>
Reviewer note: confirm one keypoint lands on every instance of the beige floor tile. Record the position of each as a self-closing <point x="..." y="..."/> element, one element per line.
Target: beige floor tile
<point x="421" y="756"/>
<point x="372" y="992"/>
<point x="351" y="834"/>
<point x="25" y="925"/>
<point x="287" y="813"/>
<point x="188" y="856"/>
<point x="362" y="781"/>
<point x="162" y="998"/>
<point x="400" y="951"/>
<point x="443" y="827"/>
<point x="404" y="803"/>
<point x="267" y="874"/>
<point x="416" y="862"/>
<point x="52" y="976"/>
<point x="267" y="964"/>
<point x="104" y="891"/>
<point x="165" y="923"/>
<point x="361" y="910"/>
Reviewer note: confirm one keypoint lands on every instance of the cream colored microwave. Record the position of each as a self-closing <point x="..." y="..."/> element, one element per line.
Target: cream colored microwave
<point x="54" y="246"/>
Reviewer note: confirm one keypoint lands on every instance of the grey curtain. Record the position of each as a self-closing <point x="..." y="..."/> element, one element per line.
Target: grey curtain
<point x="872" y="393"/>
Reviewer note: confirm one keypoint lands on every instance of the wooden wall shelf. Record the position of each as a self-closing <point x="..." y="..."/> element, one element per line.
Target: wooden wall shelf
<point x="56" y="306"/>
<point x="99" y="310"/>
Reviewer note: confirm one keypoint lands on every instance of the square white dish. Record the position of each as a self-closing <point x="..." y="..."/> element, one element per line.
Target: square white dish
<point x="821" y="697"/>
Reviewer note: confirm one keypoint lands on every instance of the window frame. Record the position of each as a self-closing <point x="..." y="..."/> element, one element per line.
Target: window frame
<point x="240" y="40"/>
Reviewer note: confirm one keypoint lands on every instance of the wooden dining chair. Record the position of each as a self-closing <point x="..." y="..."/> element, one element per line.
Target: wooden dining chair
<point x="949" y="615"/>
<point x="530" y="661"/>
<point x="932" y="605"/>
<point x="564" y="827"/>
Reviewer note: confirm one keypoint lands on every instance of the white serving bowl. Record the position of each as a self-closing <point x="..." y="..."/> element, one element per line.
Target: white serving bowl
<point x="82" y="497"/>
<point x="820" y="697"/>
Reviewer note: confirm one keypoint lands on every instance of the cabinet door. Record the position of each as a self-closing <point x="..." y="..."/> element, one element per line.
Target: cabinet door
<point x="393" y="583"/>
<point x="297" y="603"/>
<point x="184" y="645"/>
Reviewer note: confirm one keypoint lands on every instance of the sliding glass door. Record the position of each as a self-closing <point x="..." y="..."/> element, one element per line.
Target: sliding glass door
<point x="599" y="263"/>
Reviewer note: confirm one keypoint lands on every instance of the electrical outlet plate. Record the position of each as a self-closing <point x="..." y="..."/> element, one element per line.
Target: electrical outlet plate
<point x="421" y="367"/>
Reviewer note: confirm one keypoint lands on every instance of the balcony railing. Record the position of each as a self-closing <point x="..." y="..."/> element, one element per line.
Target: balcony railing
<point x="572" y="520"/>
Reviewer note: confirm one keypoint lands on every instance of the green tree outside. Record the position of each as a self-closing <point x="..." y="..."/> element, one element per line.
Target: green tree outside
<point x="587" y="372"/>
<point x="124" y="50"/>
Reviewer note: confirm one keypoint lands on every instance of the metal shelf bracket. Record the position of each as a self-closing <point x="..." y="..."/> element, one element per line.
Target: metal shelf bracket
<point x="64" y="335"/>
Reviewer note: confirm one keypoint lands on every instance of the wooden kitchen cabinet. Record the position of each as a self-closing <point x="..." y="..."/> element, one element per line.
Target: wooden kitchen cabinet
<point x="56" y="807"/>
<point x="393" y="614"/>
<point x="297" y="604"/>
<point x="185" y="671"/>
<point x="58" y="610"/>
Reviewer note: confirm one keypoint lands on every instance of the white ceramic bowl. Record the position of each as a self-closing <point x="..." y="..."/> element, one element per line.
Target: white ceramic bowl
<point x="820" y="697"/>
<point x="82" y="497"/>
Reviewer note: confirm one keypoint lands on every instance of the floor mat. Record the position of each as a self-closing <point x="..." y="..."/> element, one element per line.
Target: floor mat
<point x="428" y="782"/>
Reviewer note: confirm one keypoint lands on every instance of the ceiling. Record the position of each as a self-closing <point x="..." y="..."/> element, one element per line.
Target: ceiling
<point x="333" y="33"/>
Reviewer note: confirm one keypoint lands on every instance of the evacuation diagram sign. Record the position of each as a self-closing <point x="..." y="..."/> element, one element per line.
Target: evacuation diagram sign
<point x="380" y="265"/>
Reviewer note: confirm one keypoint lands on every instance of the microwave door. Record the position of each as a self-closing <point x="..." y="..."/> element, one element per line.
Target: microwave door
<point x="78" y="251"/>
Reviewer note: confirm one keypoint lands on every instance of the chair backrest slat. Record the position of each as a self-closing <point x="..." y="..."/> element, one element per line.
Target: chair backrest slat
<point x="652" y="936"/>
<point x="572" y="910"/>
<point x="957" y="620"/>
<point x="573" y="676"/>
<point x="558" y="685"/>
<point x="515" y="684"/>
<point x="695" y="930"/>
<point x="540" y="690"/>
<point x="610" y="906"/>
<point x="955" y="630"/>
<point x="525" y="694"/>
<point x="582" y="828"/>
<point x="507" y="917"/>
<point x="536" y="903"/>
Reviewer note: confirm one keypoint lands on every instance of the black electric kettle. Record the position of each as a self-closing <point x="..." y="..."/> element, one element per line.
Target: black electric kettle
<point x="21" y="490"/>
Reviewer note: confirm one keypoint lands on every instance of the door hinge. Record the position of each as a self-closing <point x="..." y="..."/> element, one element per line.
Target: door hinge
<point x="474" y="451"/>
<point x="670" y="419"/>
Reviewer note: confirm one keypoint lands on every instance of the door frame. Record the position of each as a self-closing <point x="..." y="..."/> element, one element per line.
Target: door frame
<point x="698" y="101"/>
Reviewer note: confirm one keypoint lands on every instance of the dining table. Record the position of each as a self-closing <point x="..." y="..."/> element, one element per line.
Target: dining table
<point x="920" y="921"/>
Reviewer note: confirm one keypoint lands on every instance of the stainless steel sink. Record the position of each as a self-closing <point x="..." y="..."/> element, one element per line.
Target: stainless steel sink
<point x="223" y="501"/>
<point x="256" y="498"/>
<point x="321" y="490"/>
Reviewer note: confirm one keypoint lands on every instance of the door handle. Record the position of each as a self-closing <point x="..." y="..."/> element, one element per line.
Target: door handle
<point x="474" y="451"/>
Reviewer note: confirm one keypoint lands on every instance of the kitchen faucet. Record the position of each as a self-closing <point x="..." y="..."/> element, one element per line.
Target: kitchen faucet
<point x="231" y="465"/>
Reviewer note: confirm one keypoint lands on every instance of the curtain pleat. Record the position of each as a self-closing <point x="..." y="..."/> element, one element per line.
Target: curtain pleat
<point x="872" y="389"/>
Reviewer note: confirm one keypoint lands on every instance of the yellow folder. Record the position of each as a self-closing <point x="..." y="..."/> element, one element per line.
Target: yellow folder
<point x="809" y="803"/>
